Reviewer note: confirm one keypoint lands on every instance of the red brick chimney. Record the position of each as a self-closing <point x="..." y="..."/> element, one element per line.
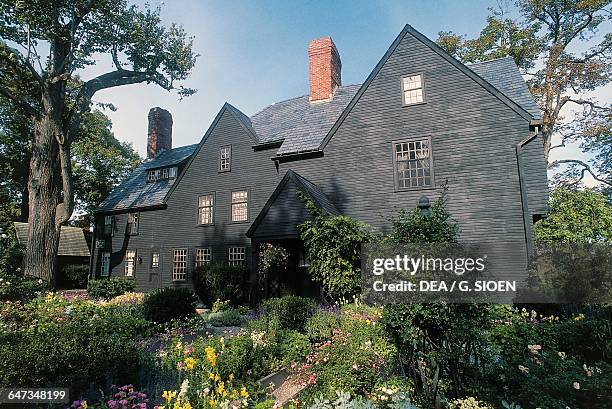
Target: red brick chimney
<point x="325" y="67"/>
<point x="160" y="132"/>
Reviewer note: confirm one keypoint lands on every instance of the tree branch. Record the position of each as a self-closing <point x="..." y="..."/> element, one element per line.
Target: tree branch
<point x="19" y="102"/>
<point x="585" y="168"/>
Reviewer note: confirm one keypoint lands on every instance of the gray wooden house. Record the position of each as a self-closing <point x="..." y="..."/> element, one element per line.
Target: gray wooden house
<point x="421" y="119"/>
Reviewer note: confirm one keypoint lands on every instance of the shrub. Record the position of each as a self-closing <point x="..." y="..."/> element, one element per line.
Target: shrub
<point x="217" y="281"/>
<point x="165" y="304"/>
<point x="291" y="312"/>
<point x="109" y="287"/>
<point x="73" y="276"/>
<point x="226" y="318"/>
<point x="320" y="327"/>
<point x="293" y="347"/>
<point x="19" y="288"/>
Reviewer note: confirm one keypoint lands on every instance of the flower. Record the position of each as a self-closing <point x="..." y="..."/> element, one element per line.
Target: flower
<point x="561" y="355"/>
<point x="534" y="349"/>
<point x="168" y="395"/>
<point x="576" y="385"/>
<point x="190" y="363"/>
<point x="211" y="356"/>
<point x="523" y="369"/>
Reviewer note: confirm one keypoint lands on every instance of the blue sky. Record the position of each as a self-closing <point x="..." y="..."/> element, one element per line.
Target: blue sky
<point x="254" y="53"/>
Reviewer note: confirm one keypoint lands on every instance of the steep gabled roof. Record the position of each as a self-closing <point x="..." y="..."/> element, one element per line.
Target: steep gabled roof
<point x="72" y="240"/>
<point x="504" y="75"/>
<point x="300" y="124"/>
<point x="136" y="193"/>
<point x="304" y="185"/>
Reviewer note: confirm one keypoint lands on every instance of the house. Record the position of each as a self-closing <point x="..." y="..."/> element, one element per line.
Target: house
<point x="419" y="121"/>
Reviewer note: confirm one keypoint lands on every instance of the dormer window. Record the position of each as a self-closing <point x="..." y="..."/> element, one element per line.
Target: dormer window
<point x="161" y="174"/>
<point x="153" y="175"/>
<point x="225" y="159"/>
<point x="412" y="89"/>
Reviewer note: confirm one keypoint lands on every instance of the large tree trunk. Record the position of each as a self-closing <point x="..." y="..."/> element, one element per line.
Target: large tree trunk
<point x="43" y="182"/>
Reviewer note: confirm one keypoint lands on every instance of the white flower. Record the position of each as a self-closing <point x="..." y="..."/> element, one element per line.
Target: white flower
<point x="562" y="355"/>
<point x="576" y="385"/>
<point x="184" y="388"/>
<point x="523" y="369"/>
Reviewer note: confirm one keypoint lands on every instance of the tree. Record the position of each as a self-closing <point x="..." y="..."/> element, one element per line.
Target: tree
<point x="100" y="162"/>
<point x="576" y="216"/>
<point x="543" y="43"/>
<point x="46" y="88"/>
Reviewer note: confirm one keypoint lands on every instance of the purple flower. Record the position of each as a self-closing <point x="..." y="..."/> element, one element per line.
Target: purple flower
<point x="112" y="404"/>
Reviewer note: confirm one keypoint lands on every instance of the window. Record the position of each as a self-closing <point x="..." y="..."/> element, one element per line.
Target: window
<point x="172" y="172"/>
<point x="225" y="158"/>
<point x="133" y="223"/>
<point x="413" y="164"/>
<point x="203" y="256"/>
<point x="155" y="260"/>
<point x="151" y="176"/>
<point x="179" y="269"/>
<point x="412" y="89"/>
<point x="239" y="211"/>
<point x="130" y="263"/>
<point x="108" y="225"/>
<point x="165" y="173"/>
<point x="105" y="270"/>
<point x="205" y="209"/>
<point x="236" y="256"/>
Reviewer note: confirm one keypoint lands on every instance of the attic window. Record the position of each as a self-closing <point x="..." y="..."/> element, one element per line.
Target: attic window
<point x="225" y="159"/>
<point x="412" y="89"/>
<point x="161" y="174"/>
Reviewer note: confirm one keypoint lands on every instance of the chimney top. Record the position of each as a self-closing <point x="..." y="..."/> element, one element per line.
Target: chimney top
<point x="159" y="136"/>
<point x="325" y="69"/>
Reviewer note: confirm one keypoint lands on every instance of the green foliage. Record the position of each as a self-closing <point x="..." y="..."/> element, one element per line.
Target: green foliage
<point x="165" y="304"/>
<point x="218" y="281"/>
<point x="320" y="327"/>
<point x="73" y="276"/>
<point x="333" y="245"/>
<point x="413" y="227"/>
<point x="273" y="256"/>
<point x="576" y="216"/>
<point x="19" y="288"/>
<point x="51" y="342"/>
<point x="225" y="318"/>
<point x="293" y="347"/>
<point x="291" y="312"/>
<point x="11" y="252"/>
<point x="109" y="287"/>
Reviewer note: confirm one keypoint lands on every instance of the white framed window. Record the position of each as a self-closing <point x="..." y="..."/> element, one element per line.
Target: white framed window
<point x="225" y="159"/>
<point x="133" y="221"/>
<point x="203" y="256"/>
<point x="105" y="268"/>
<point x="412" y="89"/>
<point x="179" y="267"/>
<point x="155" y="259"/>
<point x="151" y="176"/>
<point x="130" y="263"/>
<point x="413" y="164"/>
<point x="108" y="225"/>
<point x="240" y="206"/>
<point x="236" y="256"/>
<point x="172" y="172"/>
<point x="165" y="173"/>
<point x="206" y="205"/>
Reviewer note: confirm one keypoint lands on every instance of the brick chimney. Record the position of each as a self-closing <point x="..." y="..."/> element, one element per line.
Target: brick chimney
<point x="325" y="67"/>
<point x="160" y="132"/>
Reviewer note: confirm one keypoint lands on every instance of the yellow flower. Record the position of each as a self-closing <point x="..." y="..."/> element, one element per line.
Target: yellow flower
<point x="211" y="355"/>
<point x="168" y="395"/>
<point x="211" y="376"/>
<point x="190" y="363"/>
<point x="231" y="377"/>
<point x="84" y="404"/>
<point x="244" y="393"/>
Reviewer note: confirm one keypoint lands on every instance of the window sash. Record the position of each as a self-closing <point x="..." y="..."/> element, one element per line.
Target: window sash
<point x="240" y="207"/>
<point x="108" y="225"/>
<point x="412" y="89"/>
<point x="206" y="204"/>
<point x="130" y="263"/>
<point x="203" y="256"/>
<point x="155" y="260"/>
<point x="179" y="267"/>
<point x="412" y="162"/>
<point x="236" y="256"/>
<point x="133" y="221"/>
<point x="225" y="158"/>
<point x="105" y="267"/>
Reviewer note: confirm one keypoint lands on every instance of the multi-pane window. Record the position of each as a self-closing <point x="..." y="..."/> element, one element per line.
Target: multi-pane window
<point x="203" y="256"/>
<point x="155" y="260"/>
<point x="172" y="172"/>
<point x="236" y="256"/>
<point x="412" y="160"/>
<point x="225" y="158"/>
<point x="163" y="173"/>
<point x="130" y="263"/>
<point x="240" y="207"/>
<point x="412" y="88"/>
<point x="133" y="223"/>
<point x="105" y="270"/>
<point x="108" y="225"/>
<point x="206" y="206"/>
<point x="179" y="267"/>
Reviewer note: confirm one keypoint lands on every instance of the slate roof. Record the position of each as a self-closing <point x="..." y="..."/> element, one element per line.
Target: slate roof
<point x="135" y="192"/>
<point x="72" y="240"/>
<point x="504" y="75"/>
<point x="298" y="123"/>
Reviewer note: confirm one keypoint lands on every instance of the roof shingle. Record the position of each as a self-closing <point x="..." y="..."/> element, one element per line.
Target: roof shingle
<point x="72" y="240"/>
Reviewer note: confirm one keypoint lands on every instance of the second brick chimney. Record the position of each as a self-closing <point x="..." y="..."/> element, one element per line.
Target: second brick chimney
<point x="325" y="67"/>
<point x="160" y="132"/>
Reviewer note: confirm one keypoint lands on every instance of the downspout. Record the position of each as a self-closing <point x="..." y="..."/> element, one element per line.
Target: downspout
<point x="93" y="249"/>
<point x="523" y="190"/>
